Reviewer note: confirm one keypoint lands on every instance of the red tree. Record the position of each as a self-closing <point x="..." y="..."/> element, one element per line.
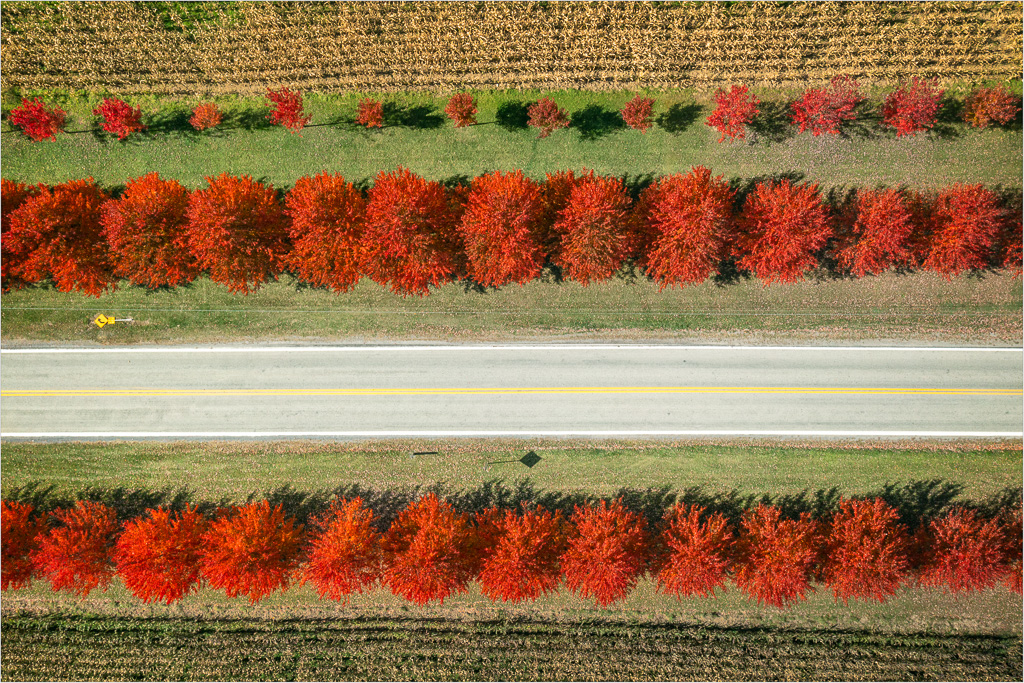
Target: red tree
<point x="327" y="218"/>
<point x="774" y="556"/>
<point x="1010" y="521"/>
<point x="425" y="552"/>
<point x="781" y="228"/>
<point x="119" y="117"/>
<point x="734" y="110"/>
<point x="607" y="552"/>
<point x="823" y="110"/>
<point x="38" y="121"/>
<point x="410" y="239"/>
<point x="964" y="223"/>
<point x="546" y="116"/>
<point x="76" y="555"/>
<point x="461" y="109"/>
<point x="987" y="105"/>
<point x="158" y="556"/>
<point x="502" y="229"/>
<point x="287" y="109"/>
<point x="687" y="221"/>
<point x="19" y="536"/>
<point x="370" y="113"/>
<point x="698" y="552"/>
<point x="206" y="115"/>
<point x="877" y="236"/>
<point x="1012" y="242"/>
<point x="146" y="230"/>
<point x="238" y="231"/>
<point x="912" y="108"/>
<point x="13" y="196"/>
<point x="638" y="112"/>
<point x="555" y="194"/>
<point x="963" y="553"/>
<point x="593" y="230"/>
<point x="866" y="551"/>
<point x="345" y="555"/>
<point x="524" y="562"/>
<point x="251" y="550"/>
<point x="57" y="233"/>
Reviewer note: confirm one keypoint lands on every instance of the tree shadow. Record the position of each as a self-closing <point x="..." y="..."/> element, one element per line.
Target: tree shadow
<point x="772" y="123"/>
<point x="679" y="117"/>
<point x="420" y="116"/>
<point x="513" y="116"/>
<point x="867" y="123"/>
<point x="637" y="183"/>
<point x="744" y="186"/>
<point x="949" y="121"/>
<point x="247" y="119"/>
<point x="595" y="121"/>
<point x="172" y="120"/>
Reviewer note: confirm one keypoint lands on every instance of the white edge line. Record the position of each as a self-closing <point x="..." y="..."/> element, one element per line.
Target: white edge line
<point x="476" y="433"/>
<point x="508" y="347"/>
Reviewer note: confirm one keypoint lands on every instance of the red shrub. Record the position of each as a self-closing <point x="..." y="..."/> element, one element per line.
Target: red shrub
<point x="774" y="556"/>
<point x="607" y="552"/>
<point x="410" y="239"/>
<point x="19" y="537"/>
<point x="963" y="553"/>
<point x="14" y="194"/>
<point x="964" y="223"/>
<point x="698" y="552"/>
<point x="1012" y="242"/>
<point x="461" y="109"/>
<point x="37" y="121"/>
<point x="76" y="555"/>
<point x="206" y="115"/>
<point x="734" y="111"/>
<point x="251" y="550"/>
<point x="878" y="237"/>
<point x="425" y="552"/>
<point x="1011" y="525"/>
<point x="524" y="562"/>
<point x="638" y="112"/>
<point x="781" y="229"/>
<point x="327" y="217"/>
<point x="501" y="228"/>
<point x="238" y="231"/>
<point x="555" y="194"/>
<point x="547" y="116"/>
<point x="146" y="230"/>
<point x="158" y="556"/>
<point x="370" y="113"/>
<point x="866" y="551"/>
<point x="687" y="220"/>
<point x="986" y="105"/>
<point x="119" y="117"/>
<point x="823" y="110"/>
<point x="912" y="108"/>
<point x="593" y="230"/>
<point x="57" y="233"/>
<point x="287" y="109"/>
<point x="345" y="556"/>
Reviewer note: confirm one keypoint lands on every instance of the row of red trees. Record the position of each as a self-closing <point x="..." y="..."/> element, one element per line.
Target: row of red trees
<point x="430" y="552"/>
<point x="409" y="234"/>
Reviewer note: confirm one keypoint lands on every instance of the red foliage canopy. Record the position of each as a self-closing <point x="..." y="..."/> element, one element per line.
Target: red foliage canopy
<point x="866" y="551"/>
<point x="1011" y="523"/>
<point x="781" y="228"/>
<point x="287" y="109"/>
<point x="38" y="121"/>
<point x="146" y="230"/>
<point x="734" y="110"/>
<point x="13" y="194"/>
<point x="502" y="229"/>
<point x="823" y="110"/>
<point x="76" y="555"/>
<point x="158" y="556"/>
<point x="774" y="556"/>
<point x="237" y="230"/>
<point x="638" y="112"/>
<point x="912" y="108"/>
<point x="370" y="113"/>
<point x="119" y="117"/>
<point x="698" y="552"/>
<point x="964" y="223"/>
<point x="19" y="532"/>
<point x="524" y="562"/>
<point x="607" y="552"/>
<point x="963" y="553"/>
<point x="461" y="109"/>
<point x="206" y="115"/>
<point x="987" y="105"/>
<point x="345" y="556"/>
<point x="327" y="218"/>
<point x="594" y="229"/>
<point x="546" y="115"/>
<point x="878" y="236"/>
<point x="252" y="550"/>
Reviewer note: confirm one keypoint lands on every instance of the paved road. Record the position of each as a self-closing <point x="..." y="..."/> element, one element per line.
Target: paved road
<point x="349" y="392"/>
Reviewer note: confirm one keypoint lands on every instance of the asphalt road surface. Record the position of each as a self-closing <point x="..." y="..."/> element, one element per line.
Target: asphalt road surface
<point x="473" y="390"/>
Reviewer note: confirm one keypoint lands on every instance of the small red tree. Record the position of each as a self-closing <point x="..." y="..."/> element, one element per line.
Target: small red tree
<point x="698" y="552"/>
<point x="1012" y="243"/>
<point x="38" y="121"/>
<point x="912" y="108"/>
<point x="593" y="229"/>
<point x="502" y="228"/>
<point x="370" y="113"/>
<point x="238" y="231"/>
<point x="327" y="218"/>
<point x="146" y="230"/>
<point x="524" y="562"/>
<point x="964" y="223"/>
<point x="345" y="555"/>
<point x="988" y="105"/>
<point x="119" y="117"/>
<point x="425" y="552"/>
<point x="687" y="221"/>
<point x="19" y="537"/>
<point x="734" y="110"/>
<point x="824" y="110"/>
<point x="410" y="240"/>
<point x="774" y="556"/>
<point x="286" y="109"/>
<point x="57" y="233"/>
<point x="781" y="229"/>
<point x="546" y="116"/>
<point x="76" y="555"/>
<point x="206" y="115"/>
<point x="461" y="109"/>
<point x="1011" y="523"/>
<point x="158" y="556"/>
<point x="13" y="196"/>
<point x="963" y="553"/>
<point x="251" y="550"/>
<point x="878" y="235"/>
<point x="638" y="113"/>
<point x="866" y="551"/>
<point x="607" y="552"/>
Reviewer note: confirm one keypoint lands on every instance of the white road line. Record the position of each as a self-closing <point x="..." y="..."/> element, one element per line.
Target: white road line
<point x="505" y="347"/>
<point x="518" y="433"/>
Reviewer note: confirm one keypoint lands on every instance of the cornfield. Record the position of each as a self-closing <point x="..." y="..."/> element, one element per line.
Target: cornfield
<point x="221" y="48"/>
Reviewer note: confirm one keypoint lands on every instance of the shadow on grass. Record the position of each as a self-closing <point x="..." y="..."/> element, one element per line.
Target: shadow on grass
<point x="772" y="124"/>
<point x="513" y="116"/>
<point x="594" y="122"/>
<point x="679" y="117"/>
<point x="422" y="116"/>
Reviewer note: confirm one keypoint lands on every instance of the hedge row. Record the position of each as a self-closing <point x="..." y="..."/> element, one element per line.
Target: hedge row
<point x="430" y="552"/>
